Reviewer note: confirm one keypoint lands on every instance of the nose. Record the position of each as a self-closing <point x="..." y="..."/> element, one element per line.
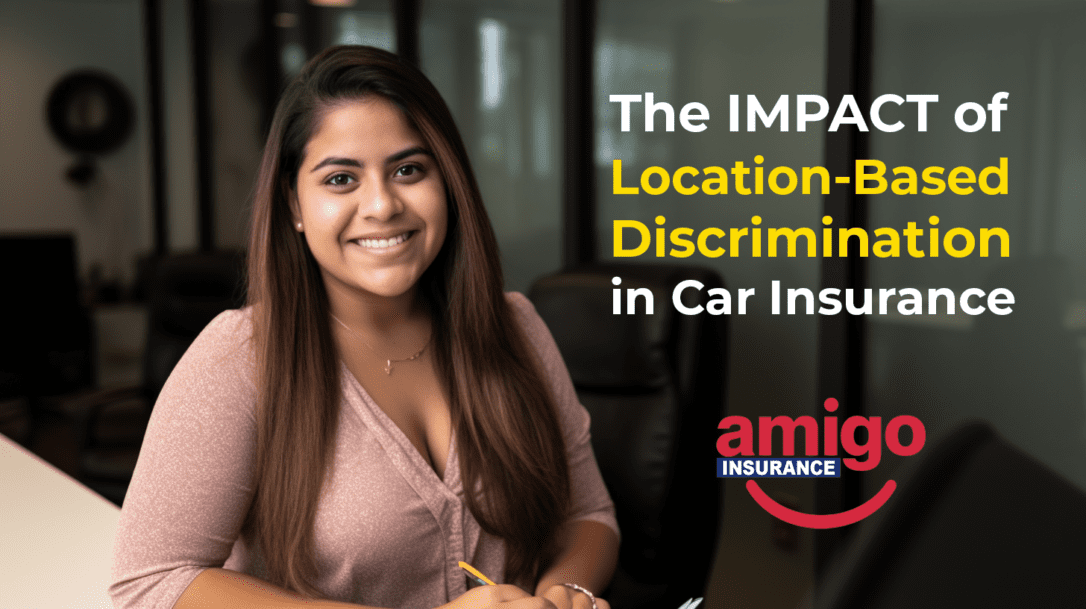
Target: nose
<point x="380" y="202"/>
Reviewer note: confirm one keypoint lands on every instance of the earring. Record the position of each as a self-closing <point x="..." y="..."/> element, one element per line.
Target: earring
<point x="299" y="225"/>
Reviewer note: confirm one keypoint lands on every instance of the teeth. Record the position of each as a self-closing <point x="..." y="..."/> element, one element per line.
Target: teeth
<point x="383" y="243"/>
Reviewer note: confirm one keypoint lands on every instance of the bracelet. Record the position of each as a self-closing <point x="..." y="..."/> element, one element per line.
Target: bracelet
<point x="591" y="597"/>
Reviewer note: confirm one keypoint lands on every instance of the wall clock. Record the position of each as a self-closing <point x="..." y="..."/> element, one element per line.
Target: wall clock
<point x="90" y="112"/>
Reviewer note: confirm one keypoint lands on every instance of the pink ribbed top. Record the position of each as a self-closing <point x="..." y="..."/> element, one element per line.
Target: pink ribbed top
<point x="389" y="532"/>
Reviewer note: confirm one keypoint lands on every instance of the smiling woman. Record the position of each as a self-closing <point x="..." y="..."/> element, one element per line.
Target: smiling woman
<point x="370" y="200"/>
<point x="380" y="411"/>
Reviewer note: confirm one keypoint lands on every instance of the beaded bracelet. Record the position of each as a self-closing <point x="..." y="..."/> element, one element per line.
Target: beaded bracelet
<point x="591" y="597"/>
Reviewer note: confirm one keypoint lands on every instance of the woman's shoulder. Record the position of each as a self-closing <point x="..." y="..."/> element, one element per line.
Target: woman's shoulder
<point x="519" y="302"/>
<point x="229" y="332"/>
<point x="231" y="324"/>
<point x="527" y="317"/>
<point x="222" y="354"/>
<point x="537" y="334"/>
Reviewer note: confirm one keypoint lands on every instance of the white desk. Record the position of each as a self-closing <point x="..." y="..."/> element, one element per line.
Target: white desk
<point x="56" y="536"/>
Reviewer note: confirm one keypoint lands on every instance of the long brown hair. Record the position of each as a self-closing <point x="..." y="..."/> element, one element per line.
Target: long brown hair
<point x="512" y="456"/>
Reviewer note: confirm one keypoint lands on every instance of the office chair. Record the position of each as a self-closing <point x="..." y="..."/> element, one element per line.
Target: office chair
<point x="978" y="524"/>
<point x="47" y="334"/>
<point x="655" y="388"/>
<point x="14" y="412"/>
<point x="185" y="292"/>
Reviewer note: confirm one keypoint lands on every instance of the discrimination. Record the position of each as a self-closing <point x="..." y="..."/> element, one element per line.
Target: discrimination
<point x="633" y="238"/>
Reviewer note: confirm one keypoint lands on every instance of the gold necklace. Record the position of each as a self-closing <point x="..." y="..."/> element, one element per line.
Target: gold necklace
<point x="388" y="361"/>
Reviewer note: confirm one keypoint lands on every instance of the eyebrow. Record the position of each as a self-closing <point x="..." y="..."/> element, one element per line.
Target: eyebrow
<point x="349" y="162"/>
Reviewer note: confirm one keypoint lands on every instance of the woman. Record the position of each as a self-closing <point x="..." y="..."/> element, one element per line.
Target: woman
<point x="381" y="410"/>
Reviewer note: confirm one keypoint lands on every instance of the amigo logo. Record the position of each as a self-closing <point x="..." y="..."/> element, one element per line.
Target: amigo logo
<point x="736" y="447"/>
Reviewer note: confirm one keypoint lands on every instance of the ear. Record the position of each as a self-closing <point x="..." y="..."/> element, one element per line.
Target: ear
<point x="295" y="212"/>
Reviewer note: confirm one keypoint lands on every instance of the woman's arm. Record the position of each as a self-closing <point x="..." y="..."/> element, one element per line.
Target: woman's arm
<point x="587" y="558"/>
<point x="214" y="588"/>
<point x="192" y="485"/>
<point x="588" y="542"/>
<point x="223" y="589"/>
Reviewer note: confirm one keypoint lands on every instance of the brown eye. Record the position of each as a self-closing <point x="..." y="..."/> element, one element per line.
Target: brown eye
<point x="340" y="179"/>
<point x="408" y="171"/>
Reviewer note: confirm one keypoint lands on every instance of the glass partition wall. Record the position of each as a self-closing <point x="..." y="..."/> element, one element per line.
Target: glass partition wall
<point x="498" y="66"/>
<point x="1022" y="372"/>
<point x="698" y="51"/>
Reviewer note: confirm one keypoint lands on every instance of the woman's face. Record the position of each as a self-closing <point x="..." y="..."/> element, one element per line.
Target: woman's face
<point x="370" y="200"/>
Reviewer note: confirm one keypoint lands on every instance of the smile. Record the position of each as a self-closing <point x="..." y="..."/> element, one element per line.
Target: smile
<point x="381" y="244"/>
<point x="821" y="521"/>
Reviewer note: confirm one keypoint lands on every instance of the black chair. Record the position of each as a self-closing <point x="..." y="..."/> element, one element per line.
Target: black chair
<point x="978" y="524"/>
<point x="14" y="413"/>
<point x="655" y="387"/>
<point x="185" y="292"/>
<point x="47" y="333"/>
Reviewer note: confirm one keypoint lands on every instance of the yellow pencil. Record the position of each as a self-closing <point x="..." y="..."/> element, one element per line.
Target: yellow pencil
<point x="476" y="575"/>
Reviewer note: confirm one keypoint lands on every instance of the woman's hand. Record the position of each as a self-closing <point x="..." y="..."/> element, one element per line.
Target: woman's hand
<point x="588" y="556"/>
<point x="498" y="597"/>
<point x="565" y="597"/>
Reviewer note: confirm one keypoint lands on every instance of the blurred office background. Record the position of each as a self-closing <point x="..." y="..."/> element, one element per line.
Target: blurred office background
<point x="528" y="82"/>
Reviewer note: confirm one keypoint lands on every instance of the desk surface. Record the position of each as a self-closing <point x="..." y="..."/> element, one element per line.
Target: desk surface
<point x="56" y="536"/>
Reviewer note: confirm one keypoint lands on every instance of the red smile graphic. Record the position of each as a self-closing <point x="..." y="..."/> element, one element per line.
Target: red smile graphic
<point x="821" y="521"/>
